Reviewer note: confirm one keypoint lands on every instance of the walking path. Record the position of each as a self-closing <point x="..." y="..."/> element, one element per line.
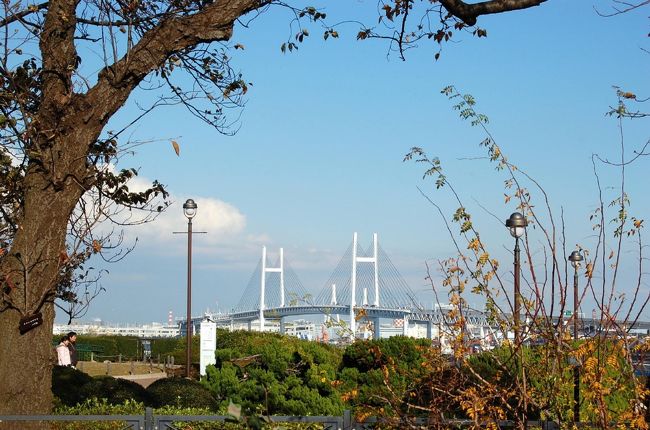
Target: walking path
<point x="145" y="380"/>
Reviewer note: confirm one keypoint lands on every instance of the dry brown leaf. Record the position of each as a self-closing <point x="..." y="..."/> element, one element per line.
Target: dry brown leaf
<point x="96" y="246"/>
<point x="177" y="148"/>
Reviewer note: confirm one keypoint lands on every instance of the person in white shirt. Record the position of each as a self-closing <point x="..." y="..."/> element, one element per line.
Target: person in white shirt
<point x="63" y="353"/>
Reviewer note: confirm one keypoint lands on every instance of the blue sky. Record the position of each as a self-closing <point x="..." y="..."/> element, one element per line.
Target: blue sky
<point x="319" y="151"/>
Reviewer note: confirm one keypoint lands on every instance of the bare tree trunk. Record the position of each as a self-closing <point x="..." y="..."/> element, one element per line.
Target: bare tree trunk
<point x="62" y="133"/>
<point x="26" y="370"/>
<point x="32" y="268"/>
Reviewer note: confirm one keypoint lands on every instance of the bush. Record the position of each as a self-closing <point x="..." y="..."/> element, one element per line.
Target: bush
<point x="386" y="377"/>
<point x="116" y="391"/>
<point x="164" y="346"/>
<point x="182" y="393"/>
<point x="102" y="407"/>
<point x="179" y="351"/>
<point x="67" y="384"/>
<point x="96" y="407"/>
<point x="274" y="374"/>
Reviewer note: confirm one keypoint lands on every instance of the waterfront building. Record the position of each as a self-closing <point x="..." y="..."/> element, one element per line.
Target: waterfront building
<point x="98" y="328"/>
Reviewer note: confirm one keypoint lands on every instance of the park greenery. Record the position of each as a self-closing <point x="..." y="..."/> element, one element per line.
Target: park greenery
<point x="58" y="183"/>
<point x="518" y="381"/>
<point x="57" y="159"/>
<point x="128" y="347"/>
<point x="395" y="379"/>
<point x="529" y="376"/>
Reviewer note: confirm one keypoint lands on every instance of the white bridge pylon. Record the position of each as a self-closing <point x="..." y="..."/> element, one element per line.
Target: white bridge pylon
<point x="355" y="261"/>
<point x="266" y="270"/>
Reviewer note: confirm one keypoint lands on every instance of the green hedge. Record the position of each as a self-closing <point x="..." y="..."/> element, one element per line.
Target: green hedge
<point x="72" y="387"/>
<point x="111" y="347"/>
<point x="276" y="375"/>
<point x="164" y="346"/>
<point x="101" y="407"/>
<point x="115" y="390"/>
<point x="179" y="350"/>
<point x="182" y="393"/>
<point x="67" y="383"/>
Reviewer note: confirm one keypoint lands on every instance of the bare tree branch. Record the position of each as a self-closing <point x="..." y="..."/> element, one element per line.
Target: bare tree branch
<point x="469" y="12"/>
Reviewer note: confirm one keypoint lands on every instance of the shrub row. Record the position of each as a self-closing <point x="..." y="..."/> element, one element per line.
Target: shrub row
<point x="102" y="407"/>
<point x="73" y="387"/>
<point x="128" y="346"/>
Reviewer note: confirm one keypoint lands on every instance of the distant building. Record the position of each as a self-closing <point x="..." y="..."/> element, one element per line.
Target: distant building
<point x="97" y="328"/>
<point x="302" y="329"/>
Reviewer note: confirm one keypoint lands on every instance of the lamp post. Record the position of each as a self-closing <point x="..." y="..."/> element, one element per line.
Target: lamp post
<point x="517" y="225"/>
<point x="189" y="210"/>
<point x="575" y="258"/>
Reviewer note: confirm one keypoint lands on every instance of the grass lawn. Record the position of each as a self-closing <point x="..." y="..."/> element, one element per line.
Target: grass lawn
<point x="96" y="368"/>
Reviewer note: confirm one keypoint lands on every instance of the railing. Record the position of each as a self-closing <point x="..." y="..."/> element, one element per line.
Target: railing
<point x="149" y="421"/>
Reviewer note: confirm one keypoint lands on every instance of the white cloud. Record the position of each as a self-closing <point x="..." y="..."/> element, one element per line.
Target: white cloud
<point x="220" y="219"/>
<point x="222" y="222"/>
<point x="227" y="245"/>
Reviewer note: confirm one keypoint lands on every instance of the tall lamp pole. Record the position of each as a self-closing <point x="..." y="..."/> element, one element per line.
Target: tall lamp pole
<point x="189" y="210"/>
<point x="517" y="225"/>
<point x="575" y="258"/>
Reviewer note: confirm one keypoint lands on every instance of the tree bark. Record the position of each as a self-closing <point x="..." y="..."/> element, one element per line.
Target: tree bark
<point x="62" y="131"/>
<point x="33" y="266"/>
<point x="53" y="186"/>
<point x="469" y="12"/>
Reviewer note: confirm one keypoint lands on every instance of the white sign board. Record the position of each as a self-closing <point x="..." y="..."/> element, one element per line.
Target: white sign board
<point x="208" y="344"/>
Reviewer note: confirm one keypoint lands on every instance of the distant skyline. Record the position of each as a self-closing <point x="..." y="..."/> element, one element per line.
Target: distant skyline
<point x="319" y="147"/>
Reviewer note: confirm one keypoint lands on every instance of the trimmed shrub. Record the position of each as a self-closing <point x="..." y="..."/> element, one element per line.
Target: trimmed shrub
<point x="116" y="391"/>
<point x="67" y="384"/>
<point x="96" y="407"/>
<point x="182" y="393"/>
<point x="164" y="346"/>
<point x="274" y="374"/>
<point x="180" y="350"/>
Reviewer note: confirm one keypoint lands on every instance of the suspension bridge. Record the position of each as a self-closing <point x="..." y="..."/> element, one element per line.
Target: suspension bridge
<point x="364" y="288"/>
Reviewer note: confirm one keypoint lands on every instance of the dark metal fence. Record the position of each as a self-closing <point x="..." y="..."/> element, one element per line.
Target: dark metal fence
<point x="149" y="421"/>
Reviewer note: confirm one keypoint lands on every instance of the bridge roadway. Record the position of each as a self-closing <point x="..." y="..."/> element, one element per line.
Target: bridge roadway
<point x="429" y="317"/>
<point x="288" y="311"/>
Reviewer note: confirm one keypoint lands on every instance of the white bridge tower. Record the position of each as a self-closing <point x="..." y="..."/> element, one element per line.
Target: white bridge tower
<point x="355" y="261"/>
<point x="266" y="270"/>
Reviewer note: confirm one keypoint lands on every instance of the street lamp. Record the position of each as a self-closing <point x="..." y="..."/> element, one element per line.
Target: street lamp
<point x="517" y="225"/>
<point x="575" y="258"/>
<point x="189" y="210"/>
